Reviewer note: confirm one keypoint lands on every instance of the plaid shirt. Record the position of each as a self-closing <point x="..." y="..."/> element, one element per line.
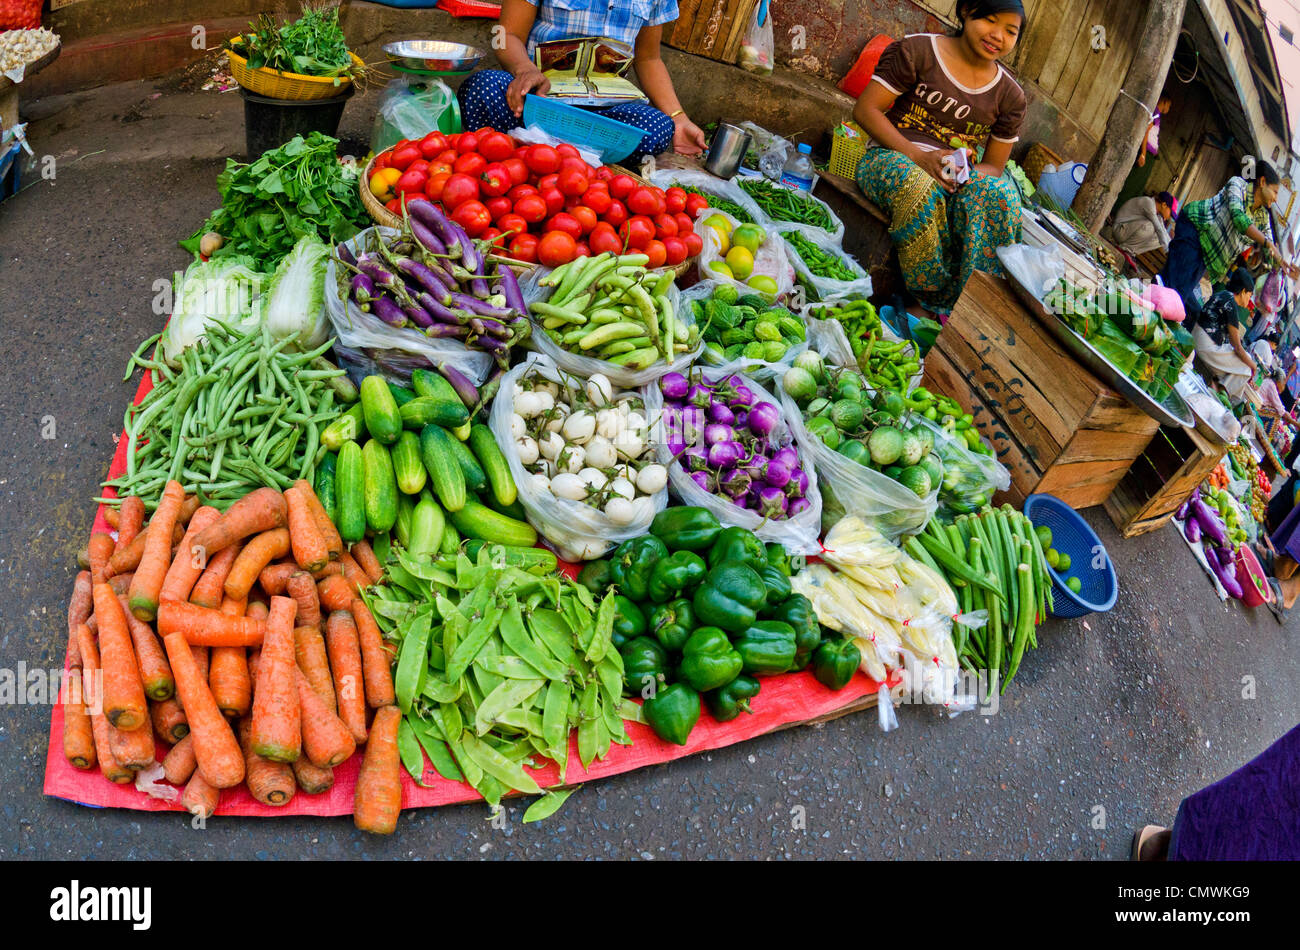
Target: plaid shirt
<point x="618" y="20"/>
<point x="1221" y="223"/>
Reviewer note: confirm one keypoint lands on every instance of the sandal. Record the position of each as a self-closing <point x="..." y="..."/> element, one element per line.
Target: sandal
<point x="1143" y="837"/>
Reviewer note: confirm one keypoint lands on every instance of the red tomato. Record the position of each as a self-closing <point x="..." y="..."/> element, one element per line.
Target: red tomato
<point x="494" y="236"/>
<point x="524" y="248"/>
<point x="496" y="146"/>
<point x="436" y="183"/>
<point x="575" y="164"/>
<point x="665" y="226"/>
<point x="412" y="180"/>
<point x="556" y="248"/>
<point x="473" y="217"/>
<point x="468" y="142"/>
<point x="694" y="243"/>
<point x="641" y="201"/>
<point x="637" y="232"/>
<point x="495" y="180"/>
<point x="471" y="163"/>
<point x="586" y="217"/>
<point x="498" y="206"/>
<point x="437" y="168"/>
<point x="604" y="173"/>
<point x="581" y="250"/>
<point x="566" y="223"/>
<point x="419" y="165"/>
<point x="657" y="253"/>
<point x="675" y="251"/>
<point x="518" y="191"/>
<point x="676" y="199"/>
<point x="518" y="170"/>
<point x="381" y="161"/>
<point x="448" y="156"/>
<point x="548" y="181"/>
<point x="432" y="144"/>
<point x="616" y="213"/>
<point x="598" y="201"/>
<point x="532" y="208"/>
<point x="394" y="205"/>
<point x="565" y="150"/>
<point x="572" y="182"/>
<point x="457" y="190"/>
<point x="603" y="239"/>
<point x="684" y="222"/>
<point x="483" y="130"/>
<point x="543" y="159"/>
<point x="695" y="204"/>
<point x="402" y="157"/>
<point x="620" y="186"/>
<point x="512" y="224"/>
<point x="554" y="199"/>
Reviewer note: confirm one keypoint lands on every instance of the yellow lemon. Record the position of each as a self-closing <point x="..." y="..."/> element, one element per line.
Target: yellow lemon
<point x="748" y="236"/>
<point x="724" y="239"/>
<point x="763" y="284"/>
<point x="741" y="262"/>
<point x="722" y="269"/>
<point x="718" y="221"/>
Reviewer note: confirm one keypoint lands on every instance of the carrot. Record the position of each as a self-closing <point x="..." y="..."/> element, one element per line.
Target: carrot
<point x="130" y="519"/>
<point x="302" y="589"/>
<point x="191" y="504"/>
<point x="220" y="760"/>
<point x="309" y="652"/>
<point x="123" y="693"/>
<point x="326" y="740"/>
<point x="121" y="583"/>
<point x="202" y="660"/>
<point x="329" y="570"/>
<point x="146" y="586"/>
<point x="257" y="610"/>
<point x="99" y="549"/>
<point x="375" y="659"/>
<point x="345" y="662"/>
<point x="169" y="720"/>
<point x="275" y="576"/>
<point x="312" y="780"/>
<point x="257" y="512"/>
<point x="155" y="674"/>
<point x="357" y="579"/>
<point x="276" y="714"/>
<point x="257" y="553"/>
<point x="186" y="568"/>
<point x="231" y="686"/>
<point x="333" y="542"/>
<point x="379" y="784"/>
<point x="134" y="750"/>
<point x="210" y="588"/>
<point x="364" y="555"/>
<point x="203" y="626"/>
<point x="113" y="517"/>
<point x="309" y="547"/>
<point x="128" y="559"/>
<point x="109" y="767"/>
<point x="79" y="608"/>
<point x="179" y="762"/>
<point x="335" y="593"/>
<point x="78" y="733"/>
<point x="200" y="797"/>
<point x="270" y="782"/>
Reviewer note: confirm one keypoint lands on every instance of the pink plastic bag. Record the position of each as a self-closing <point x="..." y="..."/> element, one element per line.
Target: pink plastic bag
<point x="1166" y="301"/>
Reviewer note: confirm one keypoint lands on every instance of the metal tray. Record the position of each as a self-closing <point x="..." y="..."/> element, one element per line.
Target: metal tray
<point x="1173" y="411"/>
<point x="433" y="56"/>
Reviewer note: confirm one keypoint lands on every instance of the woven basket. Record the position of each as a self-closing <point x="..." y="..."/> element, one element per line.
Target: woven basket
<point x="845" y="154"/>
<point x="294" y="87"/>
<point x="1037" y="158"/>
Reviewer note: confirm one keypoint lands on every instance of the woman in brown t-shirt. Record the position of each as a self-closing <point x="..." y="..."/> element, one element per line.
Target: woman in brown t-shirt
<point x="930" y="96"/>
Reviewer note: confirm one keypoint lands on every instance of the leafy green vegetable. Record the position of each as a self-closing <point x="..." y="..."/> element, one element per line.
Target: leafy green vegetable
<point x="294" y="301"/>
<point x="312" y="45"/>
<point x="226" y="289"/>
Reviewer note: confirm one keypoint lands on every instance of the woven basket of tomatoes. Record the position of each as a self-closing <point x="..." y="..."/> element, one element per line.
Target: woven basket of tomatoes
<point x="540" y="204"/>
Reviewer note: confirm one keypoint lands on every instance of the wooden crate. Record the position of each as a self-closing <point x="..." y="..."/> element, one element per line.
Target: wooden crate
<point x="1161" y="479"/>
<point x="1055" y="426"/>
<point x="712" y="28"/>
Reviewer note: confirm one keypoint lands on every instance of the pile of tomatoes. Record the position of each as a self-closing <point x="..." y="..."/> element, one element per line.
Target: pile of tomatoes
<point x="538" y="203"/>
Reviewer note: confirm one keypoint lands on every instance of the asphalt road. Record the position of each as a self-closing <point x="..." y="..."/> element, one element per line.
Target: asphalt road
<point x="1108" y="725"/>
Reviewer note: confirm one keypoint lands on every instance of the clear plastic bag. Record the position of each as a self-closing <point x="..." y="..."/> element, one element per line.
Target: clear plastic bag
<point x="411" y="107"/>
<point x="710" y="185"/>
<point x="1039" y="269"/>
<point x="771" y="258"/>
<point x="972" y="474"/>
<point x="762" y="370"/>
<point x="575" y="529"/>
<point x="368" y="344"/>
<point x="825" y="288"/>
<point x="799" y="534"/>
<point x="836" y="232"/>
<point x="585" y="366"/>
<point x="756" y="48"/>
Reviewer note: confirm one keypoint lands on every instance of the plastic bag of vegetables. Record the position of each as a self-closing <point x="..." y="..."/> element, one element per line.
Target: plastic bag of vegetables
<point x="767" y="269"/>
<point x="729" y="449"/>
<point x="580" y="454"/>
<point x="825" y="269"/>
<point x="970" y="479"/>
<point x="374" y="345"/>
<point x="713" y="188"/>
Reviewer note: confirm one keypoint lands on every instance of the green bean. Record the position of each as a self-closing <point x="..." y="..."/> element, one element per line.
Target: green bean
<point x="137" y="356"/>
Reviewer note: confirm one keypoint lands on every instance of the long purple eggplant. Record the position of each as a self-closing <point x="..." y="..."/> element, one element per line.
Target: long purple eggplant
<point x="344" y="253"/>
<point x="510" y="288"/>
<point x="445" y="330"/>
<point x="386" y="310"/>
<point x="485" y="326"/>
<point x="441" y="312"/>
<point x="425" y="236"/>
<point x="482" y="308"/>
<point x="461" y="383"/>
<point x="428" y="214"/>
<point x="418" y="315"/>
<point x="426" y="279"/>
<point x="363" y="289"/>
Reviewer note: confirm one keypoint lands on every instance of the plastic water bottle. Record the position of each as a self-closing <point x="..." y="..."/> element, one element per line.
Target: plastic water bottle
<point x="798" y="171"/>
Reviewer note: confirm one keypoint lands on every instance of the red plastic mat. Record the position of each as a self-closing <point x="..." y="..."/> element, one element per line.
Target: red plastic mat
<point x="785" y="700"/>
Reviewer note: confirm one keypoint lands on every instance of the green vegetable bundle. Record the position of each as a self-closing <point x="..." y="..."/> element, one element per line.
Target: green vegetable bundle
<point x="748" y="327"/>
<point x="312" y="45"/>
<point x="885" y="363"/>
<point x="785" y="204"/>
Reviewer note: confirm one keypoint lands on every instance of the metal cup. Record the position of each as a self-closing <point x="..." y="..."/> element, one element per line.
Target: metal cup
<point x="727" y="150"/>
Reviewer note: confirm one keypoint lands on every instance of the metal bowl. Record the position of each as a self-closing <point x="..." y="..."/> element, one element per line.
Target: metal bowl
<point x="434" y="56"/>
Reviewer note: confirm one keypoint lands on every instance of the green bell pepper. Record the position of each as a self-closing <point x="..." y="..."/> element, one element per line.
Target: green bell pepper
<point x="729" y="598"/>
<point x="672" y="712"/>
<point x="673" y="623"/>
<point x="632" y="563"/>
<point x="595" y="577"/>
<point x="835" y="662"/>
<point x="709" y="660"/>
<point x="777" y="557"/>
<point x="645" y="663"/>
<point x="727" y="702"/>
<point x="735" y="546"/>
<point x="674" y="575"/>
<point x="686" y="528"/>
<point x="797" y="610"/>
<point x="629" y="620"/>
<point x="766" y="647"/>
<point x="777" y="584"/>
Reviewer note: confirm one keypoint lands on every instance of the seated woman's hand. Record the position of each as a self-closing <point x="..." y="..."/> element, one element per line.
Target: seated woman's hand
<point x="688" y="138"/>
<point x="530" y="80"/>
<point x="932" y="163"/>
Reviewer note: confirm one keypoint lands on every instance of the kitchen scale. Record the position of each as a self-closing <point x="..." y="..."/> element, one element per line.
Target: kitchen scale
<point x="426" y="63"/>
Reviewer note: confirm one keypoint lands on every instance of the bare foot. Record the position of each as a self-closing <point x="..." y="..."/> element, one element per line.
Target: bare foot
<point x="1290" y="589"/>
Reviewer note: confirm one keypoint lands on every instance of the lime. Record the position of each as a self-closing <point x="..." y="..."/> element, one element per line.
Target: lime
<point x="722" y="269"/>
<point x="741" y="262"/>
<point x="749" y="236"/>
<point x="763" y="284"/>
<point x="1074" y="584"/>
<point x="1062" y="561"/>
<point x="1053" y="558"/>
<point x="718" y="221"/>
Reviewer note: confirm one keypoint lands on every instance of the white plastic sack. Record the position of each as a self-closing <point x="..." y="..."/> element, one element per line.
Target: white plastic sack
<point x="575" y="529"/>
<point x="409" y="108"/>
<point x="536" y="135"/>
<point x="1038" y="268"/>
<point x="771" y="258"/>
<point x="586" y="366"/>
<point x="824" y="288"/>
<point x="363" y="339"/>
<point x="710" y="185"/>
<point x="798" y="535"/>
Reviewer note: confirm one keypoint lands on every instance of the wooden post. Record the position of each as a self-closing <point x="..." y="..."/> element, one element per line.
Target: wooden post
<point x="1126" y="128"/>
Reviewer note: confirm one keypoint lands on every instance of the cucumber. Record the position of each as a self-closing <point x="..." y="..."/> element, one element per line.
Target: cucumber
<point x="427" y="525"/>
<point x="461" y="432"/>
<point x="402" y="526"/>
<point x="383" y="421"/>
<point x="478" y="521"/>
<point x="431" y="410"/>
<point x="475" y="478"/>
<point x="380" y="486"/>
<point x="426" y="382"/>
<point x="407" y="466"/>
<point x="401" y="395"/>
<point x="350" y="425"/>
<point x="349" y="493"/>
<point x="513" y="510"/>
<point x="326" y="472"/>
<point x="506" y="556"/>
<point x="450" y="540"/>
<point x="444" y="471"/>
<point x="484" y="446"/>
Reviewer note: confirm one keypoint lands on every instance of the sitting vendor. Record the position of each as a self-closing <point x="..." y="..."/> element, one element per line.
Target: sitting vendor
<point x="495" y="97"/>
<point x="1142" y="224"/>
<point x="1217" y="334"/>
<point x="930" y="93"/>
